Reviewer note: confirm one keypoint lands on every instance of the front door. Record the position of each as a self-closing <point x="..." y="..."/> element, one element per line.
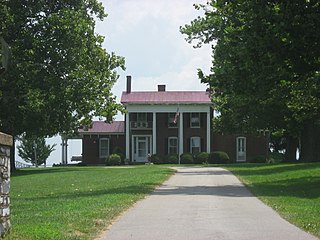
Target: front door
<point x="241" y="149"/>
<point x="141" y="148"/>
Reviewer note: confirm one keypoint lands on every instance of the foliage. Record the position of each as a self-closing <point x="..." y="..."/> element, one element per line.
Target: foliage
<point x="201" y="158"/>
<point x="113" y="160"/>
<point x="258" y="159"/>
<point x="290" y="189"/>
<point x="218" y="157"/>
<point x="34" y="149"/>
<point x="76" y="202"/>
<point x="275" y="157"/>
<point x="265" y="72"/>
<point x="156" y="159"/>
<point x="59" y="76"/>
<point x="118" y="151"/>
<point x="172" y="158"/>
<point x="186" y="158"/>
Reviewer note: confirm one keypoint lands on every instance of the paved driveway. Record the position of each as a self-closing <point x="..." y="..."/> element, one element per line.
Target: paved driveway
<point x="200" y="204"/>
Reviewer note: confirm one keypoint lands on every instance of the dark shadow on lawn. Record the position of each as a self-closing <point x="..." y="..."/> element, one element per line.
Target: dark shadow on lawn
<point x="31" y="171"/>
<point x="254" y="169"/>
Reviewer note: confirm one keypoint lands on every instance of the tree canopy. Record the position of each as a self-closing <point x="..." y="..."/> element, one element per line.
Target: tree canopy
<point x="265" y="66"/>
<point x="59" y="76"/>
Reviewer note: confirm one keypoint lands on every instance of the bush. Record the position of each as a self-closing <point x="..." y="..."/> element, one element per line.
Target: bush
<point x="218" y="157"/>
<point x="258" y="159"/>
<point x="156" y="159"/>
<point x="186" y="158"/>
<point x="275" y="157"/>
<point x="119" y="152"/>
<point x="201" y="158"/>
<point x="172" y="159"/>
<point x="113" y="160"/>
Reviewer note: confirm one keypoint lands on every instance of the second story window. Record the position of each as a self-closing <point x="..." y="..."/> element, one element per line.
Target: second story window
<point x="141" y="117"/>
<point x="171" y="118"/>
<point x="195" y="120"/>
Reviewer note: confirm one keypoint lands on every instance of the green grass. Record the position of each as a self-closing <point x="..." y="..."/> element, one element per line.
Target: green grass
<point x="293" y="190"/>
<point x="75" y="202"/>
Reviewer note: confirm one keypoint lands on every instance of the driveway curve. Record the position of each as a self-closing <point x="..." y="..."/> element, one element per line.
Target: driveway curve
<point x="202" y="203"/>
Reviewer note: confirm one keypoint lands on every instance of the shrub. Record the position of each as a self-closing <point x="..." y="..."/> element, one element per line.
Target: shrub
<point x="118" y="151"/>
<point x="258" y="159"/>
<point x="201" y="158"/>
<point x="186" y="158"/>
<point x="172" y="159"/>
<point x="156" y="159"/>
<point x="218" y="157"/>
<point x="113" y="160"/>
<point x="275" y="157"/>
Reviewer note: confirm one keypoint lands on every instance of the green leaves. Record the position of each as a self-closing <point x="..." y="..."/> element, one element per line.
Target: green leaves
<point x="60" y="75"/>
<point x="34" y="149"/>
<point x="265" y="67"/>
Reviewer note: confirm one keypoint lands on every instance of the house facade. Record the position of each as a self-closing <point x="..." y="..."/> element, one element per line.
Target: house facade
<point x="165" y="122"/>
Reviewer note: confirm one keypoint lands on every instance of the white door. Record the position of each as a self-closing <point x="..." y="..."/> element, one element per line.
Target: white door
<point x="241" y="149"/>
<point x="141" y="148"/>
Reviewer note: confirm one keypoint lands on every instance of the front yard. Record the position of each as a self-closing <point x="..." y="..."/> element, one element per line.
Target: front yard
<point x="75" y="202"/>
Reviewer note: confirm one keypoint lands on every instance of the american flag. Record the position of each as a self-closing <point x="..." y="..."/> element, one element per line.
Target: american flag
<point x="176" y="117"/>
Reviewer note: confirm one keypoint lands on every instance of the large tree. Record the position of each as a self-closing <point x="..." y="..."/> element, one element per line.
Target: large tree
<point x="59" y="75"/>
<point x="265" y="72"/>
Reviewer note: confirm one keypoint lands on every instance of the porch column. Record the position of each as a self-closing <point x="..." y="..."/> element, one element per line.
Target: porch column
<point x="127" y="120"/>
<point x="208" y="132"/>
<point x="154" y="133"/>
<point x="180" y="134"/>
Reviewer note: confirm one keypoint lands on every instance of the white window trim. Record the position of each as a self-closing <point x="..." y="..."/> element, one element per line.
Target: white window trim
<point x="245" y="149"/>
<point x="170" y="138"/>
<point x="191" y="143"/>
<point x="108" y="152"/>
<point x="198" y="113"/>
<point x="172" y="118"/>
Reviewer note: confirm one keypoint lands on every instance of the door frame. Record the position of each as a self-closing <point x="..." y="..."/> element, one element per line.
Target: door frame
<point x="134" y="147"/>
<point x="244" y="147"/>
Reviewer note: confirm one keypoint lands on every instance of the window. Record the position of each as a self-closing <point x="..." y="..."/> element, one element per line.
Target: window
<point x="241" y="149"/>
<point x="195" y="145"/>
<point x="195" y="120"/>
<point x="103" y="147"/>
<point x="171" y="118"/>
<point x="141" y="117"/>
<point x="172" y="145"/>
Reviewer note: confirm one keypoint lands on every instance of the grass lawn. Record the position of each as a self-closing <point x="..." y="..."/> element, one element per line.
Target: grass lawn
<point x="75" y="202"/>
<point x="293" y="190"/>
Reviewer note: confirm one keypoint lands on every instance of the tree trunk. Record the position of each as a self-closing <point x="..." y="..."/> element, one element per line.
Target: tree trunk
<point x="12" y="156"/>
<point x="310" y="143"/>
<point x="291" y="148"/>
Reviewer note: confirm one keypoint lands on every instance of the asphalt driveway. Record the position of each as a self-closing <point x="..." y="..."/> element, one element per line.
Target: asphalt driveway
<point x="199" y="204"/>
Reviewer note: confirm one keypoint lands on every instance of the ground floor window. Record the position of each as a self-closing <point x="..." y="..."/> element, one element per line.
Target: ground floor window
<point x="172" y="145"/>
<point x="195" y="145"/>
<point x="103" y="147"/>
<point x="241" y="149"/>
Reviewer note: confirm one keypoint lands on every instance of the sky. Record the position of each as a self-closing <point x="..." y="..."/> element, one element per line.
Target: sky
<point x="146" y="33"/>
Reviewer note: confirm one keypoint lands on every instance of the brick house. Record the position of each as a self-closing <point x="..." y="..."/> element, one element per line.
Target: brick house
<point x="165" y="122"/>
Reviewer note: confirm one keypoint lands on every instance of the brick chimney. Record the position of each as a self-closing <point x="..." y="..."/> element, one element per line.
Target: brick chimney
<point x="128" y="84"/>
<point x="161" y="88"/>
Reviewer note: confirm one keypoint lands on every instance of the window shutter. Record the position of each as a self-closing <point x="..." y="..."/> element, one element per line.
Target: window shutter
<point x="202" y="148"/>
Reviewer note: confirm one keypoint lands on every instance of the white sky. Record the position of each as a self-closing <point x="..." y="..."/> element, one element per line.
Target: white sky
<point x="146" y="33"/>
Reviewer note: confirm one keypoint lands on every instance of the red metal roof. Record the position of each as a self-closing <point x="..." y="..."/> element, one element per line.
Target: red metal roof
<point x="167" y="97"/>
<point x="103" y="127"/>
